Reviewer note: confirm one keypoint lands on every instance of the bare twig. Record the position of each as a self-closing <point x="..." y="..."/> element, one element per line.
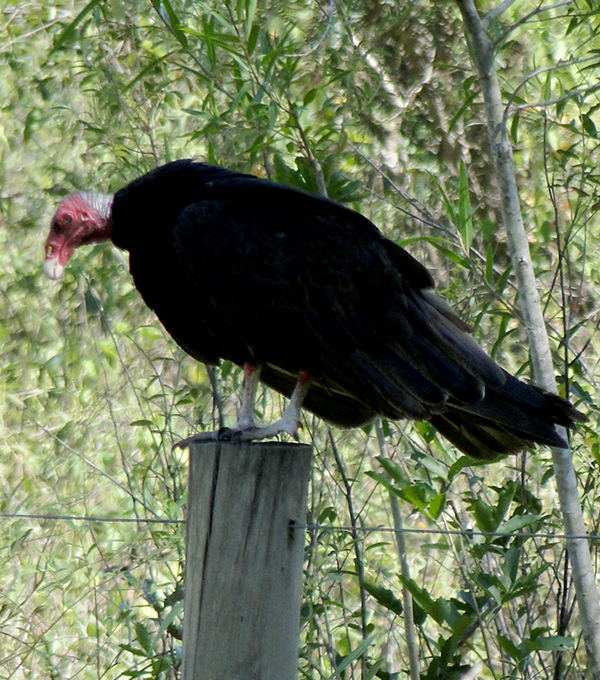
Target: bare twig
<point x="547" y="103"/>
<point x="360" y="574"/>
<point x="329" y="14"/>
<point x="540" y="9"/>
<point x="24" y="36"/>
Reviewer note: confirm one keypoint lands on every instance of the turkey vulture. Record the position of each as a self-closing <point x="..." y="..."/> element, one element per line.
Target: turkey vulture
<point x="309" y="297"/>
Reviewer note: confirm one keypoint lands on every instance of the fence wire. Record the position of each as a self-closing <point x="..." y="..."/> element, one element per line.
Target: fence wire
<point x="312" y="527"/>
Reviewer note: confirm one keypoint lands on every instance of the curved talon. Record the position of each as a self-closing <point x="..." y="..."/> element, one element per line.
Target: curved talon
<point x="197" y="438"/>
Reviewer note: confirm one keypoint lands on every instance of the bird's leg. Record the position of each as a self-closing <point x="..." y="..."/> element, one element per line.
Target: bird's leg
<point x="245" y="413"/>
<point x="290" y="418"/>
<point x="246" y="430"/>
<point x="249" y="387"/>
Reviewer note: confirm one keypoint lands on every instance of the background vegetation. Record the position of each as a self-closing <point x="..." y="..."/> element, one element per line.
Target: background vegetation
<point x="376" y="102"/>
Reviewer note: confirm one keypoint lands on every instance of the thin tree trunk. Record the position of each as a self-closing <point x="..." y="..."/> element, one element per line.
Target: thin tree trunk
<point x="410" y="631"/>
<point x="541" y="359"/>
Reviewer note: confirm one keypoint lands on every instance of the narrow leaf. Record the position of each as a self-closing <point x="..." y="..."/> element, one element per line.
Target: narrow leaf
<point x="174" y="22"/>
<point x="447" y="202"/>
<point x="384" y="596"/>
<point x="588" y="125"/>
<point x="352" y="656"/>
<point x="176" y="610"/>
<point x="250" y="12"/>
<point x="485" y="517"/>
<point x="552" y="643"/>
<point x="67" y="34"/>
<point x="393" y="469"/>
<point x="143" y="637"/>
<point x="465" y="223"/>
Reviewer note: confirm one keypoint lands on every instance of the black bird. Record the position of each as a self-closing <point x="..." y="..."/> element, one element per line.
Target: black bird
<point x="309" y="297"/>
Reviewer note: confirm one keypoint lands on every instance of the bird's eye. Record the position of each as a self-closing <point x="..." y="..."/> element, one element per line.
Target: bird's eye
<point x="67" y="219"/>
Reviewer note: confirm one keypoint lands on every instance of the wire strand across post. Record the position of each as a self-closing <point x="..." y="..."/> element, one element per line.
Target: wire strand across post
<point x="244" y="555"/>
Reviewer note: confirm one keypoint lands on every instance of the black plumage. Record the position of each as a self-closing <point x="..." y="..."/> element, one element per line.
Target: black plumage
<point x="243" y="269"/>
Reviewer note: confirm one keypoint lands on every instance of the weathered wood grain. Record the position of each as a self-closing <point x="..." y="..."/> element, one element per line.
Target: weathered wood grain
<point x="244" y="560"/>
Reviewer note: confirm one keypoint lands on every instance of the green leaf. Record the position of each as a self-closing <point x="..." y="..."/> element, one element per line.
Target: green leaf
<point x="547" y="87"/>
<point x="416" y="494"/>
<point x="309" y="96"/>
<point x="69" y="31"/>
<point x="375" y="669"/>
<point x="503" y="279"/>
<point x="133" y="650"/>
<point x="437" y="609"/>
<point x="465" y="223"/>
<point x="434" y="466"/>
<point x="15" y="546"/>
<point x="485" y="517"/>
<point x="164" y="8"/>
<point x="551" y="643"/>
<point x="253" y="38"/>
<point x="143" y="637"/>
<point x="510" y="648"/>
<point x="438" y="245"/>
<point x="384" y="480"/>
<point x="142" y="423"/>
<point x="176" y="610"/>
<point x="517" y="522"/>
<point x="463" y="462"/>
<point x="250" y="13"/>
<point x="489" y="264"/>
<point x="356" y="653"/>
<point x="505" y="497"/>
<point x="436" y="505"/>
<point x="393" y="469"/>
<point x="514" y="127"/>
<point x="588" y="125"/>
<point x="328" y="515"/>
<point x="447" y="202"/>
<point x="384" y="596"/>
<point x="572" y="25"/>
<point x="511" y="562"/>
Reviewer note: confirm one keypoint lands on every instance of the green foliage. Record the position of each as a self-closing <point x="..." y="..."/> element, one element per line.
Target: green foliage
<point x="377" y="104"/>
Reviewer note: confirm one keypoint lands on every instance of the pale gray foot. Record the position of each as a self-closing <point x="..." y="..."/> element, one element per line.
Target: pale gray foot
<point x="246" y="430"/>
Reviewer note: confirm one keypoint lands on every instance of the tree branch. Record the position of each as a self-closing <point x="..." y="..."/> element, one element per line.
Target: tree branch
<point x="496" y="12"/>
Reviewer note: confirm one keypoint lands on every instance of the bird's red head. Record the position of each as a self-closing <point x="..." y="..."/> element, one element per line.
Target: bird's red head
<point x="80" y="218"/>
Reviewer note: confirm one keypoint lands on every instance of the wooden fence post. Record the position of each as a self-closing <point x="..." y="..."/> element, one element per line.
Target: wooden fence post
<point x="244" y="560"/>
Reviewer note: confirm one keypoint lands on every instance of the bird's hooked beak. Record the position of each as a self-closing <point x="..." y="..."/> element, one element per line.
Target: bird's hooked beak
<point x="53" y="268"/>
<point x="58" y="251"/>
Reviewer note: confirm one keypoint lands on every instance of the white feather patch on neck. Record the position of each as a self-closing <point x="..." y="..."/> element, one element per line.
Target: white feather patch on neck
<point x="100" y="202"/>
